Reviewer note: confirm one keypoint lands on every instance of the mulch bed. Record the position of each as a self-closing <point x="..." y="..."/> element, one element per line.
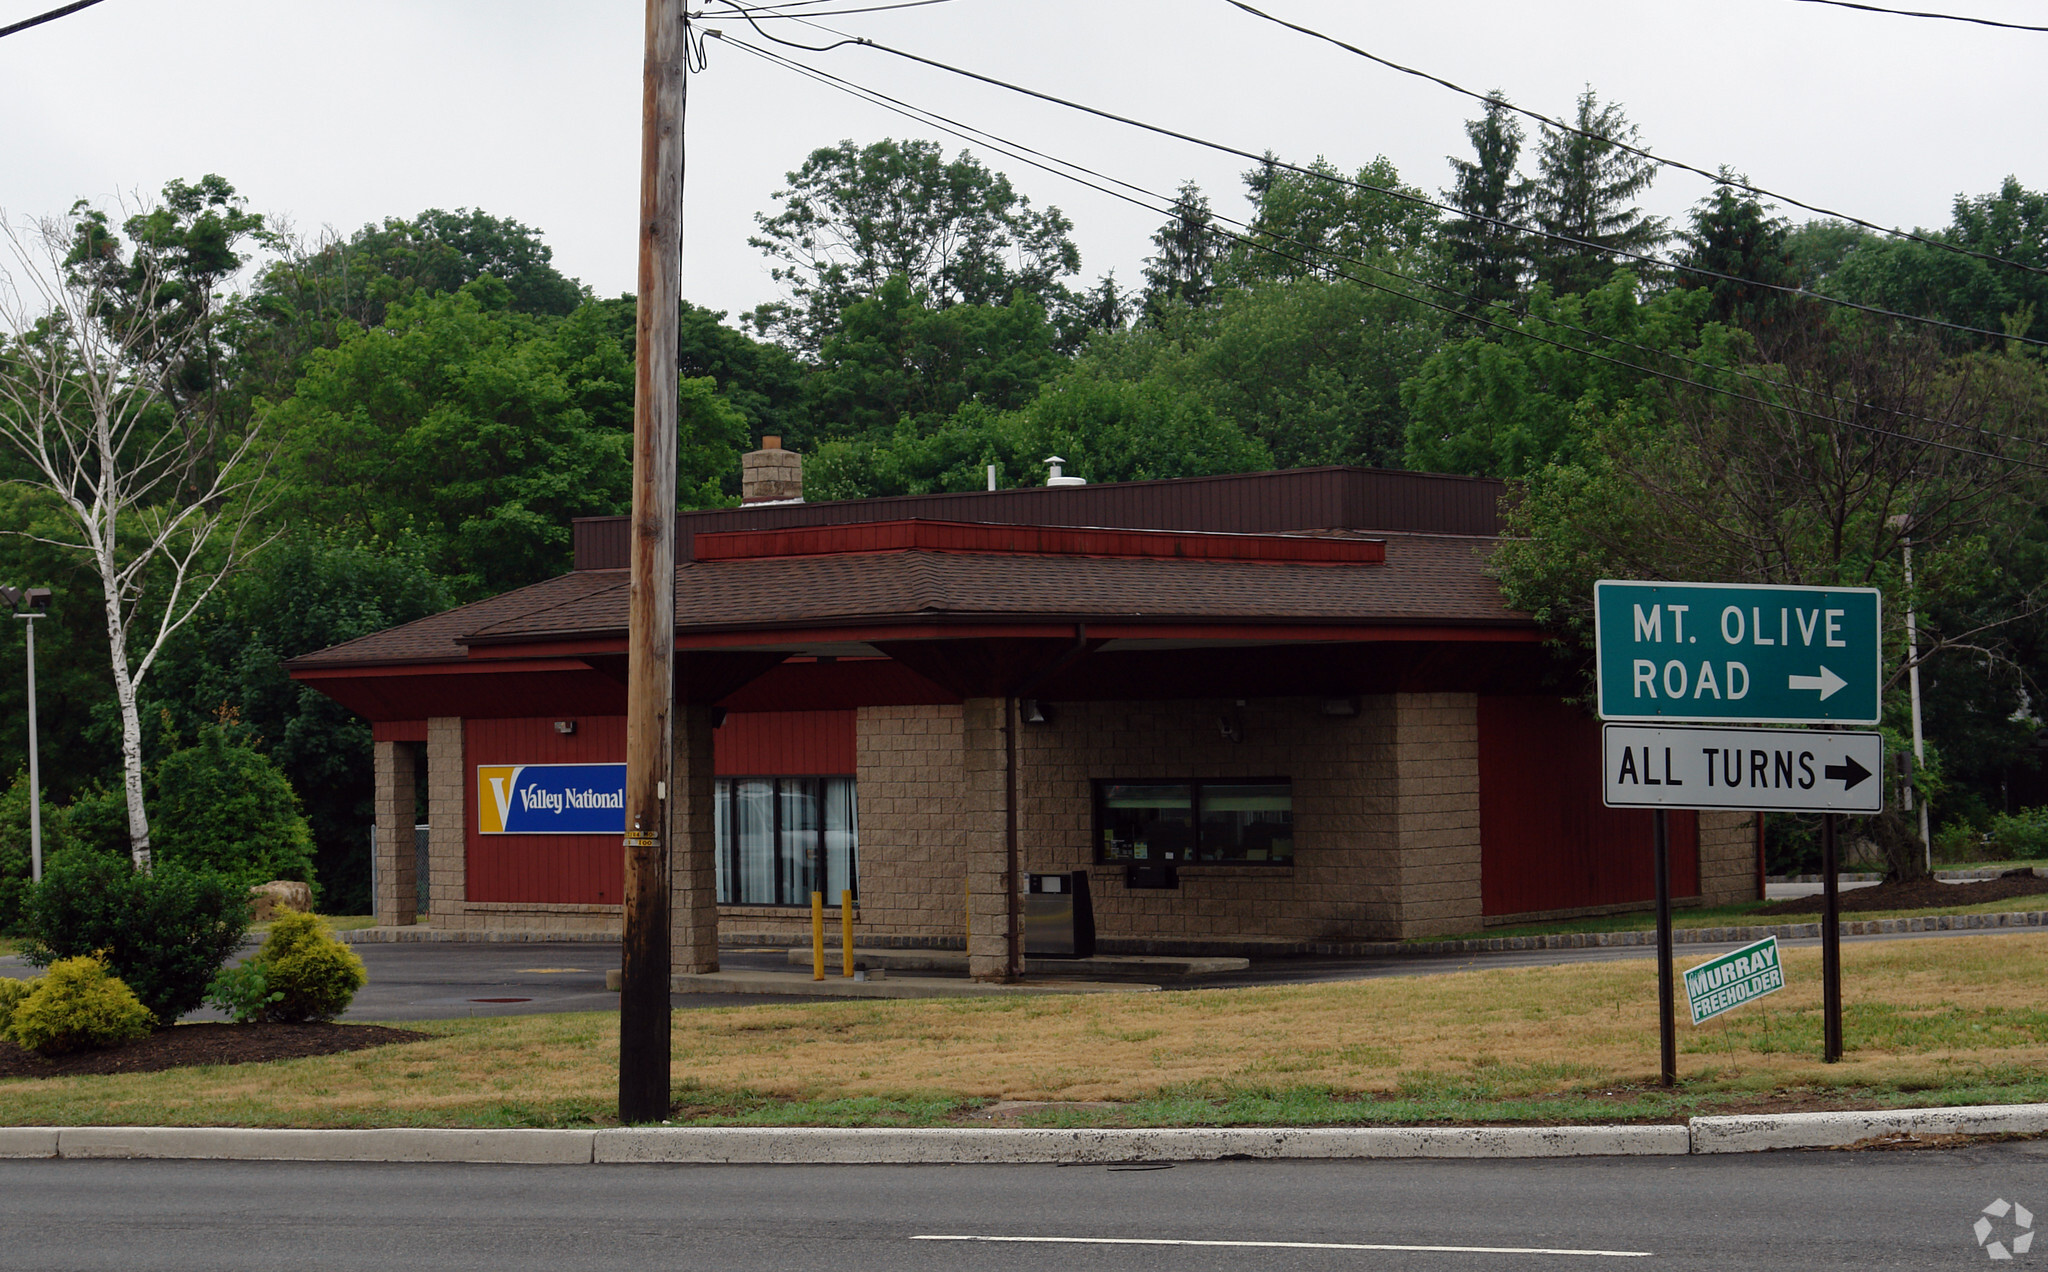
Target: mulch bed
<point x="1925" y="894"/>
<point x="183" y="1045"/>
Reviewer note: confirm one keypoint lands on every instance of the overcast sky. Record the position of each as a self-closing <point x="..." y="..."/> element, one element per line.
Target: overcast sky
<point x="326" y="113"/>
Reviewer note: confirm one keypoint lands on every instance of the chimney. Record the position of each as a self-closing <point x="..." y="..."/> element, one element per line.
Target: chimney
<point x="771" y="475"/>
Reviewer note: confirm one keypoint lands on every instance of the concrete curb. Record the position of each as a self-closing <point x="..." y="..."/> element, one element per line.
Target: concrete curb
<point x="810" y="1145"/>
<point x="1762" y="1132"/>
<point x="797" y="985"/>
<point x="736" y="1145"/>
<point x="392" y="1144"/>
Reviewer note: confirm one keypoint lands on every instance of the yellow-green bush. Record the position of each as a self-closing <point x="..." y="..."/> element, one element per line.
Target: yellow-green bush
<point x="12" y="991"/>
<point x="315" y="974"/>
<point x="78" y="1005"/>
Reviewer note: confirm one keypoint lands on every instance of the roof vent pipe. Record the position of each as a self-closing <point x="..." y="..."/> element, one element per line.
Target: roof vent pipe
<point x="1054" y="478"/>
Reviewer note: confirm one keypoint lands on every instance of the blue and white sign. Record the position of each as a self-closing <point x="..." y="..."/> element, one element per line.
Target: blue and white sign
<point x="551" y="799"/>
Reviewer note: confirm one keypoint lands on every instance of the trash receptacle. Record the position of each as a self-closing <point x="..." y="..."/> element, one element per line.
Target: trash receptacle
<point x="1059" y="919"/>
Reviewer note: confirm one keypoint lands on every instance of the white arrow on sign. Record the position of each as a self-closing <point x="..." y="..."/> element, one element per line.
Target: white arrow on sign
<point x="1827" y="682"/>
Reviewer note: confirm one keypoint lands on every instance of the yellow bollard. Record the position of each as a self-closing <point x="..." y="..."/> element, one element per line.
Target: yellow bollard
<point x="817" y="936"/>
<point x="846" y="932"/>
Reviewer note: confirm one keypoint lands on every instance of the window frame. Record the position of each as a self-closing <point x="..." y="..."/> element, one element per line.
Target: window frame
<point x="728" y="842"/>
<point x="1098" y="822"/>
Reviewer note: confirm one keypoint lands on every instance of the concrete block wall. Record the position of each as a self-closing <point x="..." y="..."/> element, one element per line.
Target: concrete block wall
<point x="1728" y="858"/>
<point x="693" y="863"/>
<point x="1344" y="880"/>
<point x="397" y="899"/>
<point x="1436" y="816"/>
<point x="447" y="813"/>
<point x="910" y="777"/>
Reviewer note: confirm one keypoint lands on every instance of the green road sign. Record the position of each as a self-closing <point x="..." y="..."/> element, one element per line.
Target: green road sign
<point x="1739" y="976"/>
<point x="1731" y="651"/>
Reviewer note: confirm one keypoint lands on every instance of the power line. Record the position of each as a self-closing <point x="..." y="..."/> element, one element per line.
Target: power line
<point x="1164" y="204"/>
<point x="1915" y="13"/>
<point x="953" y="128"/>
<point x="775" y="10"/>
<point x="1389" y="191"/>
<point x="51" y="16"/>
<point x="1716" y="177"/>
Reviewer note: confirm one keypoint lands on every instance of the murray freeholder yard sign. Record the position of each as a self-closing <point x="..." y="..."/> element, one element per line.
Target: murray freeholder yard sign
<point x="1709" y="652"/>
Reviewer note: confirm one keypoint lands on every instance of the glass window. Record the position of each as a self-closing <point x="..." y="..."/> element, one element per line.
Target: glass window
<point x="1237" y="820"/>
<point x="781" y="838"/>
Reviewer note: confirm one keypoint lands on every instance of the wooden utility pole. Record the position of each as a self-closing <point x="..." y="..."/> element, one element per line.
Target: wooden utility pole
<point x="651" y="621"/>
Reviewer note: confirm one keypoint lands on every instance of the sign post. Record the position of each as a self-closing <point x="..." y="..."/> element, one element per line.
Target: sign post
<point x="1701" y="652"/>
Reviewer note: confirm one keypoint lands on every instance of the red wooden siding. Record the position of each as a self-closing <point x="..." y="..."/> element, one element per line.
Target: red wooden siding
<point x="399" y="730"/>
<point x="785" y="744"/>
<point x="589" y="869"/>
<point x="1546" y="841"/>
<point x="562" y="869"/>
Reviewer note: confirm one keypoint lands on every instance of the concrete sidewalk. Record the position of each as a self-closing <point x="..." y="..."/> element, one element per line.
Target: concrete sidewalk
<point x="733" y="1145"/>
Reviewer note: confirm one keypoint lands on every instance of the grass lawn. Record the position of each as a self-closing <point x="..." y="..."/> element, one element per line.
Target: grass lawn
<point x="1954" y="1020"/>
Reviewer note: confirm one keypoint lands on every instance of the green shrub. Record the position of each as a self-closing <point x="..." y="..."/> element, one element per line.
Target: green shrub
<point x="243" y="992"/>
<point x="164" y="933"/>
<point x="222" y="805"/>
<point x="2021" y="835"/>
<point x="12" y="991"/>
<point x="78" y="1004"/>
<point x="315" y="974"/>
<point x="1959" y="841"/>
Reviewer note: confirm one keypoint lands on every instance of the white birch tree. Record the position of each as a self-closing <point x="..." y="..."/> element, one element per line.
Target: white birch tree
<point x="162" y="502"/>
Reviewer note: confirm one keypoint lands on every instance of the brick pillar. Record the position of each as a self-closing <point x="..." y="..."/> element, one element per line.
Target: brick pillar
<point x="1436" y="767"/>
<point x="397" y="899"/>
<point x="447" y="838"/>
<point x="987" y="842"/>
<point x="692" y="846"/>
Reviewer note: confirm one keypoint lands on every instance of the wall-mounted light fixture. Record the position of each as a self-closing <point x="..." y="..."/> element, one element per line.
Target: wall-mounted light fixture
<point x="1340" y="706"/>
<point x="1034" y="712"/>
<point x="565" y="727"/>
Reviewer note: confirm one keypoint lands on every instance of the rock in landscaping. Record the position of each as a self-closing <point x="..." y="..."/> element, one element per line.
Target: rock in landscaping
<point x="280" y="894"/>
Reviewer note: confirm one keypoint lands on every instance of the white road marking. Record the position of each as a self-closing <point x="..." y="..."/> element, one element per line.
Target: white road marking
<point x="1294" y="1245"/>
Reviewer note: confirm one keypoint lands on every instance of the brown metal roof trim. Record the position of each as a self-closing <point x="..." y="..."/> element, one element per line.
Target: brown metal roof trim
<point x="1238" y="503"/>
<point x="1064" y="541"/>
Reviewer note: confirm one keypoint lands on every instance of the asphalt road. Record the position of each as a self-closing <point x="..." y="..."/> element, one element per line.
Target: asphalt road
<point x="1723" y="1214"/>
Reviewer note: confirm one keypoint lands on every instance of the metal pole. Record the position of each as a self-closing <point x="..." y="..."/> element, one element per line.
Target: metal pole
<point x="1667" y="1023"/>
<point x="1830" y="945"/>
<point x="1913" y="680"/>
<point x="35" y="777"/>
<point x="650" y="634"/>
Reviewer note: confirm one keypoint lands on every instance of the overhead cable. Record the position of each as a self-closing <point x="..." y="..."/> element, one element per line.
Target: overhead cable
<point x="1916" y="13"/>
<point x="51" y="16"/>
<point x="1718" y="178"/>
<point x="1322" y="267"/>
<point x="1393" y="192"/>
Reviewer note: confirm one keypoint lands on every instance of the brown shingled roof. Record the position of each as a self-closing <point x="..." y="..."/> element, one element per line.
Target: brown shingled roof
<point x="439" y="637"/>
<point x="1426" y="579"/>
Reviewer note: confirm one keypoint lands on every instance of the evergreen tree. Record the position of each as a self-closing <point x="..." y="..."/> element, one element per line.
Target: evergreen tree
<point x="1733" y="234"/>
<point x="1488" y="257"/>
<point x="1185" y="267"/>
<point x="1586" y="194"/>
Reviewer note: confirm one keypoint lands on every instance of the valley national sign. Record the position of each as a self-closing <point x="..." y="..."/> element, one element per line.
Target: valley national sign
<point x="1711" y="652"/>
<point x="551" y="799"/>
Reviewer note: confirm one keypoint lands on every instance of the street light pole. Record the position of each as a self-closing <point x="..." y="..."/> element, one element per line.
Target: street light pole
<point x="1904" y="522"/>
<point x="31" y="603"/>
